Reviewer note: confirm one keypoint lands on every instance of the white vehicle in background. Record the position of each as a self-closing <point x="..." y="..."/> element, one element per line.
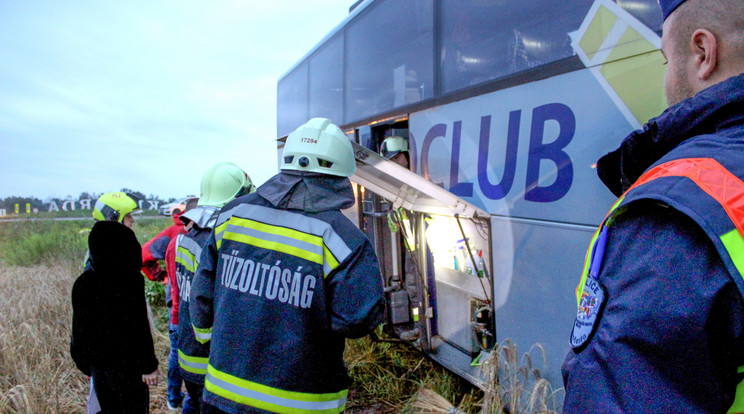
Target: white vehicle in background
<point x="507" y="105"/>
<point x="178" y="206"/>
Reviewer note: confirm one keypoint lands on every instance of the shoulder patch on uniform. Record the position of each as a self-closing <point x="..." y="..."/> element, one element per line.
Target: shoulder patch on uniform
<point x="588" y="314"/>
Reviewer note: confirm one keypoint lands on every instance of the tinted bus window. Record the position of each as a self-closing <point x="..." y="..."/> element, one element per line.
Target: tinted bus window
<point x="292" y="101"/>
<point x="389" y="57"/>
<point x="486" y="40"/>
<point x="647" y="11"/>
<point x="326" y="81"/>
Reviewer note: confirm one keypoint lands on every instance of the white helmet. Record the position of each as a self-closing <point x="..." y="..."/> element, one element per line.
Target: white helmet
<point x="223" y="183"/>
<point x="393" y="146"/>
<point x="319" y="146"/>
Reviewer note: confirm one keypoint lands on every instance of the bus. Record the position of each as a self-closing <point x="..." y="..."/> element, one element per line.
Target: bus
<point x="506" y="106"/>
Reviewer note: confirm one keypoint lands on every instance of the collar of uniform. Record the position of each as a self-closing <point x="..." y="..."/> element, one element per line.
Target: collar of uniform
<point x="310" y="192"/>
<point x="711" y="110"/>
<point x="203" y="216"/>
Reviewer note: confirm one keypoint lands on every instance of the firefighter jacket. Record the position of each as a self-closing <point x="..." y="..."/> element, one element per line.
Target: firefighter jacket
<point x="192" y="354"/>
<point x="284" y="279"/>
<point x="110" y="329"/>
<point x="660" y="326"/>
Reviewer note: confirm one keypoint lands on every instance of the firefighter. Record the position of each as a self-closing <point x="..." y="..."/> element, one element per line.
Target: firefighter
<point x="660" y="324"/>
<point x="114" y="206"/>
<point x="284" y="278"/>
<point x="153" y="251"/>
<point x="395" y="149"/>
<point x="117" y="206"/>
<point x="220" y="184"/>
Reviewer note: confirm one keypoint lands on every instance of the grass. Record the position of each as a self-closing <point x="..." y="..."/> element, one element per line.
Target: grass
<point x="386" y="374"/>
<point x="40" y="260"/>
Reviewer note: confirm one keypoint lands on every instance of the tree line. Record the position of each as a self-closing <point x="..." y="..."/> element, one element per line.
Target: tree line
<point x="85" y="201"/>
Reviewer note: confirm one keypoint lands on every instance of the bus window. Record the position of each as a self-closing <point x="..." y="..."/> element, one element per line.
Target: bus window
<point x="326" y="81"/>
<point x="647" y="11"/>
<point x="481" y="41"/>
<point x="292" y="94"/>
<point x="389" y="55"/>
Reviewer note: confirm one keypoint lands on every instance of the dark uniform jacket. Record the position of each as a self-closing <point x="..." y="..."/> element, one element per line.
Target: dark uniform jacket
<point x="192" y="354"/>
<point x="110" y="329"/>
<point x="285" y="279"/>
<point x="669" y="335"/>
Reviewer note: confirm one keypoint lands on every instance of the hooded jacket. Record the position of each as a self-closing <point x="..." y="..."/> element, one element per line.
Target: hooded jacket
<point x="284" y="279"/>
<point x="110" y="329"/>
<point x="668" y="330"/>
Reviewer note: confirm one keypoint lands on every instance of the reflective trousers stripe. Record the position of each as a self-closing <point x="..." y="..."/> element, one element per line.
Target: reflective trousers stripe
<point x="272" y="399"/>
<point x="195" y="365"/>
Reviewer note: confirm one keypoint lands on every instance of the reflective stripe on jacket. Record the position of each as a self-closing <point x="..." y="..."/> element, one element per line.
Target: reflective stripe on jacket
<point x="280" y="290"/>
<point x="193" y="353"/>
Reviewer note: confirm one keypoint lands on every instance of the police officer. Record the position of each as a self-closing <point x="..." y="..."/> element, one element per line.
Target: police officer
<point x="284" y="279"/>
<point x="219" y="185"/>
<point x="660" y="324"/>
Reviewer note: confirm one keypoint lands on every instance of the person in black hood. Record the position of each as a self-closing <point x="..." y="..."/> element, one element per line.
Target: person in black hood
<point x="111" y="338"/>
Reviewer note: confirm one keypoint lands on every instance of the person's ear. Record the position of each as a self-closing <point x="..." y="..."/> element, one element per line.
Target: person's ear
<point x="705" y="51"/>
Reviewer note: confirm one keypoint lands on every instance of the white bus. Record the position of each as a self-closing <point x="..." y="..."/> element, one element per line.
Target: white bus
<point x="507" y="105"/>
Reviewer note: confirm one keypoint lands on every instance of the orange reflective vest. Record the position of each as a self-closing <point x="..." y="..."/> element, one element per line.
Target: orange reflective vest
<point x="723" y="221"/>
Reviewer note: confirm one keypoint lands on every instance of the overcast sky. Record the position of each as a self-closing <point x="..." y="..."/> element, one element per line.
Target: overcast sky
<point x="99" y="95"/>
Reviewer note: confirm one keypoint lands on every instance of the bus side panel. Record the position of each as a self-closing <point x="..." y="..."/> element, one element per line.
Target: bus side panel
<point x="534" y="288"/>
<point x="528" y="151"/>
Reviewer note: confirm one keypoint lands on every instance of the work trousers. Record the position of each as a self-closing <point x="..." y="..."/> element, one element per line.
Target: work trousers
<point x="192" y="405"/>
<point x="121" y="392"/>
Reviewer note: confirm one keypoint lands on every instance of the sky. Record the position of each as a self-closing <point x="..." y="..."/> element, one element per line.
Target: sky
<point x="99" y="95"/>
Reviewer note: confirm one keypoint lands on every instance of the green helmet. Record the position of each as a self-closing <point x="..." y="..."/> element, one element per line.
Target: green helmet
<point x="319" y="146"/>
<point x="393" y="146"/>
<point x="223" y="183"/>
<point x="115" y="206"/>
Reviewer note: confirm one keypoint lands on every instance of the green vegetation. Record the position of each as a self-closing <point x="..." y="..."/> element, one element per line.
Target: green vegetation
<point x="33" y="242"/>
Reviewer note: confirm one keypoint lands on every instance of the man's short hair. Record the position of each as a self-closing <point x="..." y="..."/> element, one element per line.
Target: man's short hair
<point x="723" y="18"/>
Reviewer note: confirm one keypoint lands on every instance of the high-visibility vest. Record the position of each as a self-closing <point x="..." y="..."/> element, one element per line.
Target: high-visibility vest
<point x="728" y="236"/>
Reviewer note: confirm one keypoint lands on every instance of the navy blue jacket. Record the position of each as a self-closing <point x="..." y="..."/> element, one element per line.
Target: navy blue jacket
<point x="670" y="333"/>
<point x="285" y="279"/>
<point x="192" y="354"/>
